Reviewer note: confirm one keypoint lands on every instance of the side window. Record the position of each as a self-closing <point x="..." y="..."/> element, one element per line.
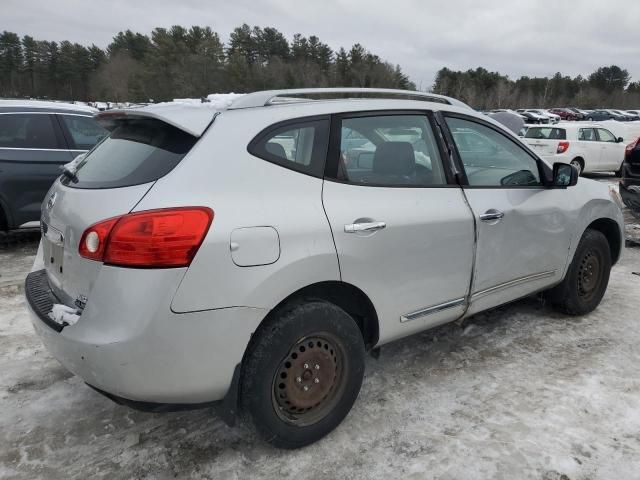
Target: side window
<point x="606" y="136"/>
<point x="27" y="131"/>
<point x="299" y="146"/>
<point x="587" y="135"/>
<point x="389" y="151"/>
<point x="85" y="131"/>
<point x="490" y="158"/>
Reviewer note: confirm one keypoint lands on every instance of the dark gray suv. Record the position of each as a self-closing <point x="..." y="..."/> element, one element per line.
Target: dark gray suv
<point x="36" y="139"/>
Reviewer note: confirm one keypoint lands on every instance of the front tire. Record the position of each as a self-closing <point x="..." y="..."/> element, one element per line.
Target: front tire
<point x="587" y="277"/>
<point x="303" y="373"/>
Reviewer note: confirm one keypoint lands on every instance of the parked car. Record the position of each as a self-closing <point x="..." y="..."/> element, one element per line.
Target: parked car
<point x="554" y="117"/>
<point x="580" y="113"/>
<point x="628" y="116"/>
<point x="176" y="276"/>
<point x="508" y="110"/>
<point x="588" y="147"/>
<point x="565" y="113"/>
<point x="36" y="139"/>
<point x="533" y="117"/>
<point x="602" y="115"/>
<point x="630" y="183"/>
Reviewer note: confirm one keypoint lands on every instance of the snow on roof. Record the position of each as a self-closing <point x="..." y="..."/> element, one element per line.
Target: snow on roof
<point x="191" y="115"/>
<point x="47" y="104"/>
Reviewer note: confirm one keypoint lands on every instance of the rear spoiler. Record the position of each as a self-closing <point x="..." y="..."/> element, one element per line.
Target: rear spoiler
<point x="192" y="119"/>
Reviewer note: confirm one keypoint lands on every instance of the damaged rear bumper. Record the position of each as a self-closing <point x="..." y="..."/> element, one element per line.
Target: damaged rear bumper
<point x="129" y="343"/>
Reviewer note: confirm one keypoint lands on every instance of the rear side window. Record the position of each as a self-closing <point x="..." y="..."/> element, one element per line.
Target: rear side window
<point x="300" y="146"/>
<point x="546" y="133"/>
<point x="85" y="131"/>
<point x="587" y="135"/>
<point x="21" y="130"/>
<point x="137" y="151"/>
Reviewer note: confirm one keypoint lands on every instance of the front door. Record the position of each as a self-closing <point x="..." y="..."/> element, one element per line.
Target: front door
<point x="523" y="232"/>
<point x="403" y="232"/>
<point x="612" y="152"/>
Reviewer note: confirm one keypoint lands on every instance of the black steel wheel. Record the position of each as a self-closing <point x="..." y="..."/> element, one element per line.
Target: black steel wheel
<point x="587" y="277"/>
<point x="302" y="373"/>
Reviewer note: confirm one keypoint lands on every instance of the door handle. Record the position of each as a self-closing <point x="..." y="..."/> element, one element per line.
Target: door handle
<point x="364" y="227"/>
<point x="491" y="215"/>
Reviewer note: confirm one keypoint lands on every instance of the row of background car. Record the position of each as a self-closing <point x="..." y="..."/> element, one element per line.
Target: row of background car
<point x="555" y="115"/>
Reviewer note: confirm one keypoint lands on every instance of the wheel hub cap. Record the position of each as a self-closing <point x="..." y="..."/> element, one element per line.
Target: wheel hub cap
<point x="306" y="381"/>
<point x="589" y="274"/>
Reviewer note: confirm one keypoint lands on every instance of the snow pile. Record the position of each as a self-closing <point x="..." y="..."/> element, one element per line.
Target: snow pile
<point x="214" y="101"/>
<point x="222" y="100"/>
<point x="73" y="164"/>
<point x="62" y="314"/>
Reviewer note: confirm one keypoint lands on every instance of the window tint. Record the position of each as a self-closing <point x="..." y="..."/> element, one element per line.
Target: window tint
<point x="587" y="135"/>
<point x="546" y="133"/>
<point x="299" y="146"/>
<point x="394" y="150"/>
<point x="137" y="151"/>
<point x="606" y="136"/>
<point x="27" y="131"/>
<point x="490" y="158"/>
<point x="85" y="131"/>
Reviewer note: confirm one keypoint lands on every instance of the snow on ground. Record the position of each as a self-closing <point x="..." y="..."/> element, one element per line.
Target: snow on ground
<point x="519" y="392"/>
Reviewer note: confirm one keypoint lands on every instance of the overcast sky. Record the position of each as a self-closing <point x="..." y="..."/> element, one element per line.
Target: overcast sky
<point x="515" y="37"/>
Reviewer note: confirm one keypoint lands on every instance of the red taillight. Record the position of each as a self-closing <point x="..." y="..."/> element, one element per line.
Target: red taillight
<point x="152" y="239"/>
<point x="562" y="147"/>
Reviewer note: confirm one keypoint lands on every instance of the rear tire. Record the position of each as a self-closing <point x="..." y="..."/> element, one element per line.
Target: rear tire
<point x="587" y="277"/>
<point x="303" y="373"/>
<point x="578" y="165"/>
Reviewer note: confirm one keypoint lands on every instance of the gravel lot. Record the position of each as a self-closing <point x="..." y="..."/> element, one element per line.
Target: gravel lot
<point x="518" y="392"/>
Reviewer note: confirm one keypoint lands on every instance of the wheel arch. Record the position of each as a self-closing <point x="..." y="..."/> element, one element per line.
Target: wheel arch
<point x="609" y="228"/>
<point x="346" y="296"/>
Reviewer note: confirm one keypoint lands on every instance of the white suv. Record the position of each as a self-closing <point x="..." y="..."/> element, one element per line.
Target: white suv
<point x="253" y="255"/>
<point x="587" y="146"/>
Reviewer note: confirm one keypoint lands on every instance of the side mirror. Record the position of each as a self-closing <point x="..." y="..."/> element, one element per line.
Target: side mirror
<point x="620" y="140"/>
<point x="564" y="175"/>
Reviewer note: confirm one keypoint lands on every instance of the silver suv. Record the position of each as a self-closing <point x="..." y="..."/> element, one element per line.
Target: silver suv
<point x="251" y="256"/>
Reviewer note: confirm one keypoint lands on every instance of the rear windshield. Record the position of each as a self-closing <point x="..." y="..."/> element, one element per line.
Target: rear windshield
<point x="139" y="150"/>
<point x="548" y="133"/>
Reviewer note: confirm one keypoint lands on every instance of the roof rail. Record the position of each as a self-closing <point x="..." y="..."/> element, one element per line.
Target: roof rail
<point x="279" y="97"/>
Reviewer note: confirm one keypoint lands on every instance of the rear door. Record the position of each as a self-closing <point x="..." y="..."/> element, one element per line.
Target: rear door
<point x="402" y="230"/>
<point x="522" y="229"/>
<point x="32" y="150"/>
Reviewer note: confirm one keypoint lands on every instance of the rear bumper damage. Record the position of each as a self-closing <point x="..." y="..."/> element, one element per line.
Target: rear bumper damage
<point x="129" y="344"/>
